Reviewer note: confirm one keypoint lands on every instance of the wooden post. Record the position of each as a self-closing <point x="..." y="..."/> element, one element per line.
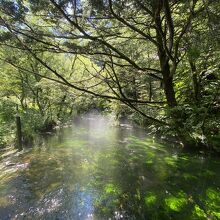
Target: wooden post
<point x="19" y="132"/>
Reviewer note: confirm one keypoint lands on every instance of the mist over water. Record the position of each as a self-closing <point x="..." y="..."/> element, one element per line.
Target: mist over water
<point x="95" y="170"/>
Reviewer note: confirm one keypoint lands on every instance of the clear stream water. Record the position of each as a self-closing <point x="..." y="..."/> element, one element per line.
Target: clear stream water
<point x="93" y="170"/>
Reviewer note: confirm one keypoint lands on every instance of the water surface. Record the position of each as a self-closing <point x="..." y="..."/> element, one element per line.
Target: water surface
<point x="93" y="170"/>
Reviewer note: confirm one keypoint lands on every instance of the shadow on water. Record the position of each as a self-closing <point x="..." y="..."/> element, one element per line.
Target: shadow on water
<point x="93" y="170"/>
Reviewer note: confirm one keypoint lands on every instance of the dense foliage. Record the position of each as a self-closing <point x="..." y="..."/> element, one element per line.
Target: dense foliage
<point x="156" y="62"/>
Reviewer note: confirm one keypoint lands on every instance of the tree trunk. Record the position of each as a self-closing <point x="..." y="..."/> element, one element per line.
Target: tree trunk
<point x="167" y="79"/>
<point x="169" y="88"/>
<point x="196" y="85"/>
<point x="19" y="133"/>
<point x="164" y="58"/>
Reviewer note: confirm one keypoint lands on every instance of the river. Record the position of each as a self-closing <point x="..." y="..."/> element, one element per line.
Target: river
<point x="92" y="170"/>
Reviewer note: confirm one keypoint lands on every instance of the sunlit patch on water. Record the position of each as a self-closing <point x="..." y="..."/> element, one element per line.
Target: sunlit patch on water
<point x="119" y="215"/>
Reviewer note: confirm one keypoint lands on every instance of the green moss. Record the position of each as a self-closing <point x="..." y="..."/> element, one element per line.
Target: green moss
<point x="198" y="212"/>
<point x="112" y="189"/>
<point x="150" y="199"/>
<point x="212" y="194"/>
<point x="176" y="203"/>
<point x="170" y="161"/>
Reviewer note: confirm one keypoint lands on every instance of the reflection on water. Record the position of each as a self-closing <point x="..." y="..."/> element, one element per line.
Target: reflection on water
<point x="93" y="170"/>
